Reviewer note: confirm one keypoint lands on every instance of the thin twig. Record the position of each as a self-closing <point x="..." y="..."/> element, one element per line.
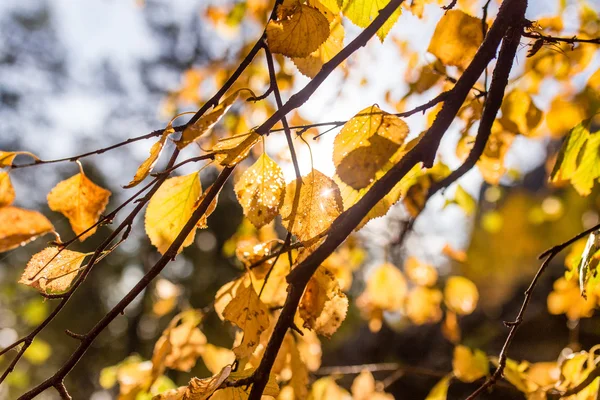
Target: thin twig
<point x="557" y="39"/>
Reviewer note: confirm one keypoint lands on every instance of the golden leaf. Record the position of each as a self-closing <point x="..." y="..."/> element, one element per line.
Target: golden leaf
<point x="170" y="209"/>
<point x="7" y="192"/>
<point x="312" y="64"/>
<point x="327" y="389"/>
<point x="260" y="191"/>
<point x="185" y="342"/>
<point x="456" y="38"/>
<point x="299" y="30"/>
<point x="323" y="306"/>
<point x="420" y="273"/>
<point x="206" y="122"/>
<point x="520" y="115"/>
<point x="440" y="390"/>
<point x="215" y="358"/>
<point x="52" y="270"/>
<point x="363" y="12"/>
<point x="203" y="221"/>
<point x="7" y="157"/>
<point x="318" y="205"/>
<point x="251" y="315"/>
<point x="165" y="297"/>
<point x="461" y="295"/>
<point x="468" y="365"/>
<point x="231" y="151"/>
<point x="363" y="388"/>
<point x="242" y="392"/>
<point x="19" y="226"/>
<point x="386" y="287"/>
<point x="146" y="167"/>
<point x="365" y="145"/>
<point x="197" y="389"/>
<point x="562" y="116"/>
<point x="423" y="305"/>
<point x="81" y="201"/>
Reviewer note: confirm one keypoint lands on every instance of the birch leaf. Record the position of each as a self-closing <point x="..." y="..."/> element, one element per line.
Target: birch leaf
<point x="469" y="365"/>
<point x="363" y="12"/>
<point x="7" y="157"/>
<point x="146" y="167"/>
<point x="52" y="270"/>
<point x="251" y="315"/>
<point x="589" y="261"/>
<point x="366" y="144"/>
<point x="205" y="123"/>
<point x="231" y="151"/>
<point x="456" y="38"/>
<point x="170" y="209"/>
<point x="312" y="64"/>
<point x="319" y="204"/>
<point x="440" y="390"/>
<point x="81" y="201"/>
<point x="260" y="191"/>
<point x="298" y="31"/>
<point x="19" y="226"/>
<point x="323" y="306"/>
<point x="461" y="295"/>
<point x="7" y="192"/>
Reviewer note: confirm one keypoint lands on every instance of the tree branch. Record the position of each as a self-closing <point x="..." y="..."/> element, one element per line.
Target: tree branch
<point x="557" y="39"/>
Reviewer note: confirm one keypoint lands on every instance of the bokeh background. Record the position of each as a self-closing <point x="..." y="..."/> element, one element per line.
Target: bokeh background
<point x="76" y="76"/>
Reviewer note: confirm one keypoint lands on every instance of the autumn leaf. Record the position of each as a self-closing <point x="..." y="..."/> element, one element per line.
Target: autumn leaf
<point x="251" y="315"/>
<point x="197" y="389"/>
<point x="440" y="390"/>
<point x="52" y="270"/>
<point x="146" y="167"/>
<point x="260" y="191"/>
<point x="298" y="31"/>
<point x="423" y="305"/>
<point x="456" y="38"/>
<point x="469" y="365"/>
<point x="588" y="265"/>
<point x="520" y="115"/>
<point x="81" y="201"/>
<point x="365" y="145"/>
<point x="386" y="287"/>
<point x="271" y="389"/>
<point x="7" y="157"/>
<point x="363" y="12"/>
<point x="464" y="200"/>
<point x="312" y="64"/>
<point x="203" y="221"/>
<point x="420" y="273"/>
<point x="170" y="209"/>
<point x="215" y="358"/>
<point x="231" y="151"/>
<point x="7" y="192"/>
<point x="326" y="388"/>
<point x="206" y="122"/>
<point x="461" y="295"/>
<point x="319" y="204"/>
<point x="323" y="306"/>
<point x="363" y="388"/>
<point x="19" y="226"/>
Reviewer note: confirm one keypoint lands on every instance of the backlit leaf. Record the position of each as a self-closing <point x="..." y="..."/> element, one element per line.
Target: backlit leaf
<point x="461" y="295"/>
<point x="7" y="192"/>
<point x="19" y="226"/>
<point x="386" y="287"/>
<point x="146" y="167"/>
<point x="231" y="151"/>
<point x="469" y="365"/>
<point x="519" y="113"/>
<point x="215" y="358"/>
<point x="319" y="204"/>
<point x="589" y="262"/>
<point x="52" y="270"/>
<point x="260" y="191"/>
<point x="7" y="157"/>
<point x="312" y="64"/>
<point x="456" y="38"/>
<point x="170" y="209"/>
<point x="298" y="31"/>
<point x="420" y="273"/>
<point x="364" y="388"/>
<point x="251" y="315"/>
<point x="323" y="306"/>
<point x="205" y="123"/>
<point x="423" y="305"/>
<point x="363" y="12"/>
<point x="464" y="200"/>
<point x="440" y="390"/>
<point x="197" y="389"/>
<point x="38" y="352"/>
<point x="365" y="145"/>
<point x="81" y="201"/>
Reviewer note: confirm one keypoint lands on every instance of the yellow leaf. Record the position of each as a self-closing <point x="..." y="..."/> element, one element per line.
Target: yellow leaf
<point x="363" y="388"/>
<point x="423" y="305"/>
<point x="81" y="201"/>
<point x="468" y="366"/>
<point x="242" y="392"/>
<point x="386" y="287"/>
<point x="165" y="297"/>
<point x="365" y="145"/>
<point x="146" y="167"/>
<point x="520" y="114"/>
<point x="185" y="342"/>
<point x="312" y="64"/>
<point x="440" y="390"/>
<point x="231" y="151"/>
<point x="298" y="31"/>
<point x="170" y="209"/>
<point x="215" y="358"/>
<point x="205" y="123"/>
<point x="363" y="12"/>
<point x="332" y="5"/>
<point x="7" y="157"/>
<point x="250" y="252"/>
<point x="327" y="389"/>
<point x="318" y="205"/>
<point x="588" y="169"/>
<point x="251" y="315"/>
<point x="198" y="389"/>
<point x="456" y="38"/>
<point x="450" y="327"/>
<point x="461" y="295"/>
<point x="203" y="221"/>
<point x="420" y="273"/>
<point x="566" y="299"/>
<point x="323" y="306"/>
<point x="52" y="270"/>
<point x="7" y="192"/>
<point x="19" y="226"/>
<point x="562" y="116"/>
<point x="260" y="191"/>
